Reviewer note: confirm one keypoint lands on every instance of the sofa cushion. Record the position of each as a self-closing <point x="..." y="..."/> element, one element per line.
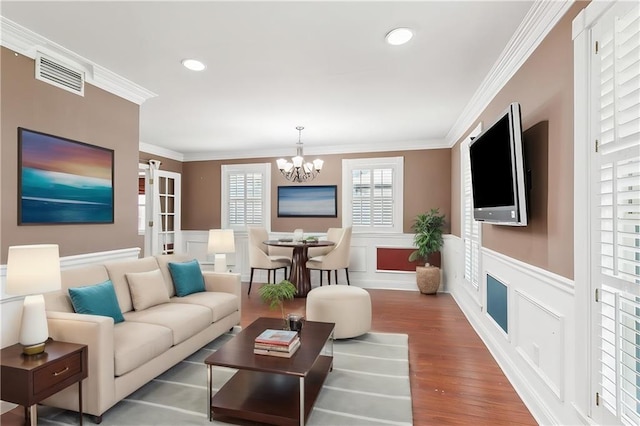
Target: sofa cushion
<point x="183" y="320"/>
<point x="59" y="300"/>
<point x="147" y="289"/>
<point x="117" y="274"/>
<point x="163" y="262"/>
<point x="187" y="277"/>
<point x="97" y="299"/>
<point x="136" y="343"/>
<point x="220" y="304"/>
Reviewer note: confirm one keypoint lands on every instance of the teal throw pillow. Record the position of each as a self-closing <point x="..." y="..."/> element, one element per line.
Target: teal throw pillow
<point x="99" y="299"/>
<point x="187" y="277"/>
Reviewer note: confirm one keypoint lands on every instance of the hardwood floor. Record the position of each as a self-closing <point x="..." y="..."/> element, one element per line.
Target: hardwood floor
<point x="454" y="378"/>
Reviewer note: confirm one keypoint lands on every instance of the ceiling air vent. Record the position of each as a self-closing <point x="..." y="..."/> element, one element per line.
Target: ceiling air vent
<point x="55" y="72"/>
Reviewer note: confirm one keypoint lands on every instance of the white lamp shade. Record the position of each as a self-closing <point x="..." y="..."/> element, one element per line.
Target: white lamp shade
<point x="33" y="269"/>
<point x="308" y="167"/>
<point x="318" y="164"/>
<point x="281" y="163"/>
<point x="297" y="161"/>
<point x="221" y="241"/>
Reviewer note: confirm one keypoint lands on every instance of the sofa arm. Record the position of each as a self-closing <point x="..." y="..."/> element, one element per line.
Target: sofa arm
<point x="222" y="281"/>
<point x="96" y="332"/>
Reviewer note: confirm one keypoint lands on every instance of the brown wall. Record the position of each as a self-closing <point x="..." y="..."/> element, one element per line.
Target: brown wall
<point x="98" y="118"/>
<point x="426" y="185"/>
<point x="544" y="88"/>
<point x="167" y="164"/>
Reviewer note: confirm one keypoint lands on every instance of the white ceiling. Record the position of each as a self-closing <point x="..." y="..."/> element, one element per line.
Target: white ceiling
<point x="272" y="66"/>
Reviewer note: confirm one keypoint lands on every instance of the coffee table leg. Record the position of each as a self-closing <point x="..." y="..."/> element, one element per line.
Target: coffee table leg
<point x="301" y="401"/>
<point x="210" y="390"/>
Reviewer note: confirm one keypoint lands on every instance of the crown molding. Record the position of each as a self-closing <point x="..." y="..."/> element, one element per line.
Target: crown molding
<point x="162" y="152"/>
<point x="26" y="42"/>
<point x="539" y="21"/>
<point x="310" y="151"/>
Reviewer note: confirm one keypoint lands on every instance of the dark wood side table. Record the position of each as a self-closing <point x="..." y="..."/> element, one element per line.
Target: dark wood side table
<point x="27" y="380"/>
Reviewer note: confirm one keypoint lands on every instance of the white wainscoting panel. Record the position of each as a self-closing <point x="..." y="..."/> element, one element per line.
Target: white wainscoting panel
<point x="358" y="259"/>
<point x="539" y="339"/>
<point x="537" y="356"/>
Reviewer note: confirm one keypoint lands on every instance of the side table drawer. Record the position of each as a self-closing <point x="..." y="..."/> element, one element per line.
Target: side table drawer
<point x="56" y="372"/>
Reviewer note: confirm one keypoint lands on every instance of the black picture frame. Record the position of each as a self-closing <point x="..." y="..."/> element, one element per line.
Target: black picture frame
<point x="308" y="201"/>
<point x="63" y="181"/>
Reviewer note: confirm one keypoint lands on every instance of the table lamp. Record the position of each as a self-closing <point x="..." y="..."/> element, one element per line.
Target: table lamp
<point x="221" y="242"/>
<point x="32" y="270"/>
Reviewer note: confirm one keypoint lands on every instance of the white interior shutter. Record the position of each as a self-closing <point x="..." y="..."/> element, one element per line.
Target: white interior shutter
<point x="372" y="194"/>
<point x="617" y="218"/>
<point x="373" y="197"/>
<point x="471" y="228"/>
<point x="244" y="196"/>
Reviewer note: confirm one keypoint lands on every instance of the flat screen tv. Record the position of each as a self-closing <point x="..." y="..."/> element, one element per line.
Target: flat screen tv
<point x="498" y="174"/>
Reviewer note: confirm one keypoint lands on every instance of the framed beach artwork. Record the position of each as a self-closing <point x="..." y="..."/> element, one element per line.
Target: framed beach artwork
<point x="62" y="181"/>
<point x="308" y="201"/>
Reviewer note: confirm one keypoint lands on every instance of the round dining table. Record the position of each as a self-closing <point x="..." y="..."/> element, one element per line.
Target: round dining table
<point x="299" y="275"/>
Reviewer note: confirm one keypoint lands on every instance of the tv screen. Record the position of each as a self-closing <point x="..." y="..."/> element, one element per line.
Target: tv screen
<point x="498" y="171"/>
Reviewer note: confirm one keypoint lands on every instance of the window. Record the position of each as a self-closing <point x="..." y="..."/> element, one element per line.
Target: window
<point x="470" y="228"/>
<point x="372" y="195"/>
<point x="246" y="196"/>
<point x="616" y="210"/>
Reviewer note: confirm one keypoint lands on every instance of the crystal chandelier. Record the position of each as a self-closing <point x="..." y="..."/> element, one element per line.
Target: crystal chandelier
<point x="297" y="170"/>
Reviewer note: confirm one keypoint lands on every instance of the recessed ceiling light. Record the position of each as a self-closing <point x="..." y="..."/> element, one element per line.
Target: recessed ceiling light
<point x="193" y="64"/>
<point x="399" y="36"/>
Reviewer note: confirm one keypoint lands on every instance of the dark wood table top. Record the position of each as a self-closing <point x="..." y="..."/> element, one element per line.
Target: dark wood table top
<point x="238" y="352"/>
<point x="294" y="244"/>
<point x="12" y="355"/>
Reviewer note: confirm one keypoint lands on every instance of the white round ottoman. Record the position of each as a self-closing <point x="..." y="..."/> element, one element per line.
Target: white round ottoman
<point x="348" y="307"/>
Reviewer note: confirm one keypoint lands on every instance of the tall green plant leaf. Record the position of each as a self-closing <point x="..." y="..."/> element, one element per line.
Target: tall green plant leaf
<point x="428" y="229"/>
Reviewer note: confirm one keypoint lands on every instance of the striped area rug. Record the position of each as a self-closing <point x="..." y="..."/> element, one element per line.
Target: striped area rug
<point x="369" y="385"/>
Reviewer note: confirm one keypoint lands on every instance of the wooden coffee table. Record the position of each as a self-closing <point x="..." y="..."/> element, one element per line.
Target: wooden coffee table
<point x="271" y="389"/>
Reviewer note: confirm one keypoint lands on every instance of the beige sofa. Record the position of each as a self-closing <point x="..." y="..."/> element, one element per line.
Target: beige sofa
<point x="125" y="356"/>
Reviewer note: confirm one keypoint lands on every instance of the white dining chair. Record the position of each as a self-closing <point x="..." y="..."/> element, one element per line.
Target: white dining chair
<point x="259" y="257"/>
<point x="336" y="258"/>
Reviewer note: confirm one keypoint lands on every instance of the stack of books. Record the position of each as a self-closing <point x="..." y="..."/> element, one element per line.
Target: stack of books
<point x="282" y="343"/>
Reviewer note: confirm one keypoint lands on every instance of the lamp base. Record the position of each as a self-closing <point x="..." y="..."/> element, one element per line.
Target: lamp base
<point x="220" y="264"/>
<point x="36" y="349"/>
<point x="33" y="329"/>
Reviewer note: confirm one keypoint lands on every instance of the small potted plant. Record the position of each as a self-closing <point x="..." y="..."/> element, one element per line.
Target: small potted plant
<point x="276" y="294"/>
<point x="428" y="228"/>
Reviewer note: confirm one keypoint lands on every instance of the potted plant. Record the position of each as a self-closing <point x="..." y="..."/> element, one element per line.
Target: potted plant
<point x="276" y="294"/>
<point x="428" y="228"/>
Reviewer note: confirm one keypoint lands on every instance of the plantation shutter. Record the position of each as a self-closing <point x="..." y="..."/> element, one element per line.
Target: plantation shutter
<point x="617" y="216"/>
<point x="373" y="197"/>
<point x="471" y="228"/>
<point x="245" y="199"/>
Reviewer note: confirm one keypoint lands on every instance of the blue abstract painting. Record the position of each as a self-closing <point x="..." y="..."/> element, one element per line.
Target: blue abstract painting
<point x="63" y="181"/>
<point x="307" y="201"/>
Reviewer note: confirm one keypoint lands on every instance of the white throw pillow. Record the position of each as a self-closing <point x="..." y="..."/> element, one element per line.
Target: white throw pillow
<point x="147" y="289"/>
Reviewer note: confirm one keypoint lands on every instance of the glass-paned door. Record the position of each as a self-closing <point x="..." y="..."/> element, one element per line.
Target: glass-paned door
<point x="164" y="218"/>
